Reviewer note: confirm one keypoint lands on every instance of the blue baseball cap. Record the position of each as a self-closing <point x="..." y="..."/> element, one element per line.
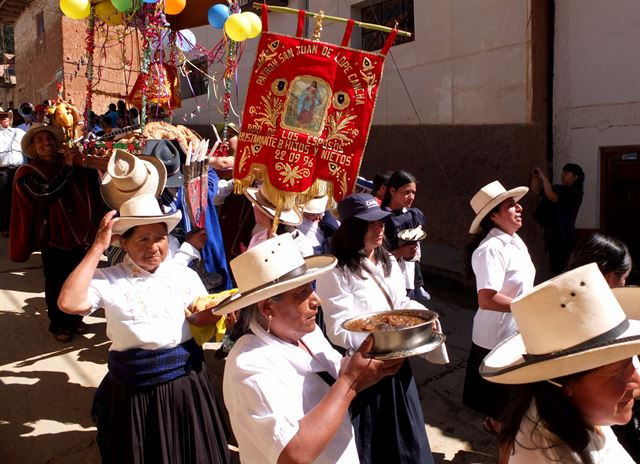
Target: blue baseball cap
<point x="361" y="205"/>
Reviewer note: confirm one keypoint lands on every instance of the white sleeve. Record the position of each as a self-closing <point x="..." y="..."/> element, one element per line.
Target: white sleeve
<point x="181" y="253"/>
<point x="255" y="400"/>
<point x="99" y="286"/>
<point x="489" y="266"/>
<point x="186" y="253"/>
<point x="225" y="187"/>
<point x="396" y="286"/>
<point x="338" y="305"/>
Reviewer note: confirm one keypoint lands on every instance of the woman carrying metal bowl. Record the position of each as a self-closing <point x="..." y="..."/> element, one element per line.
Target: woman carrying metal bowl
<point x="286" y="389"/>
<point x="387" y="418"/>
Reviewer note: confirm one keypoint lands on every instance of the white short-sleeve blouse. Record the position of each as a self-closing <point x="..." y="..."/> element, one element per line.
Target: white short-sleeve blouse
<point x="145" y="310"/>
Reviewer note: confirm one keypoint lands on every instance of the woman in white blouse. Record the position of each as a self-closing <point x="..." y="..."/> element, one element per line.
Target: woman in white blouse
<point x="156" y="403"/>
<point x="387" y="418"/>
<point x="286" y="389"/>
<point x="503" y="271"/>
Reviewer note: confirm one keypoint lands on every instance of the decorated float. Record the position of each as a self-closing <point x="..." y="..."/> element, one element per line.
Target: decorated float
<point x="307" y="112"/>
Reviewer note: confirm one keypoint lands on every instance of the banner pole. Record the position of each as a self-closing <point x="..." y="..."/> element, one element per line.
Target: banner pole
<point x="376" y="27"/>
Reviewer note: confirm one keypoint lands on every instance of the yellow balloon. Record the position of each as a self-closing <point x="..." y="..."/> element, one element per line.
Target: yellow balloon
<point x="237" y="27"/>
<point x="75" y="9"/>
<point x="108" y="13"/>
<point x="174" y="7"/>
<point x="255" y="22"/>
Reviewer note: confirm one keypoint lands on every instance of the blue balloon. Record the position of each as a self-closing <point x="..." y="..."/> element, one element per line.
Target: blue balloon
<point x="150" y="1"/>
<point x="217" y="15"/>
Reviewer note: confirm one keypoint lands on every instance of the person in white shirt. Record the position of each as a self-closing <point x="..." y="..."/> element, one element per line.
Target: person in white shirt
<point x="286" y="389"/>
<point x="11" y="158"/>
<point x="503" y="270"/>
<point x="571" y="369"/>
<point x="156" y="403"/>
<point x="387" y="418"/>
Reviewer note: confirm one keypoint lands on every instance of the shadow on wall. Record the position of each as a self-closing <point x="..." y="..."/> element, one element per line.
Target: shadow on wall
<point x="451" y="163"/>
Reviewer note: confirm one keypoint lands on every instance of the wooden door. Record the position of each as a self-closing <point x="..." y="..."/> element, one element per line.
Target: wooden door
<point x="620" y="199"/>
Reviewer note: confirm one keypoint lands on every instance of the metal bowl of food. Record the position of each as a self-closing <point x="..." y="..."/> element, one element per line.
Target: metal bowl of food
<point x="397" y="330"/>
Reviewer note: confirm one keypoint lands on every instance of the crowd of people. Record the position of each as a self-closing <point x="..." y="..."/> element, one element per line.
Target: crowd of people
<point x="550" y="366"/>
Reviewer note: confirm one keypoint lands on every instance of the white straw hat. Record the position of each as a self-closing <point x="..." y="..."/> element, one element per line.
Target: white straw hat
<point x="260" y="198"/>
<point x="129" y="175"/>
<point x="142" y="210"/>
<point x="571" y="323"/>
<point x="271" y="268"/>
<point x="490" y="196"/>
<point x="26" y="142"/>
<point x="317" y="205"/>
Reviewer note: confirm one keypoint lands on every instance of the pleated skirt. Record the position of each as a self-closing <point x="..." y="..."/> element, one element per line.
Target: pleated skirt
<point x="175" y="422"/>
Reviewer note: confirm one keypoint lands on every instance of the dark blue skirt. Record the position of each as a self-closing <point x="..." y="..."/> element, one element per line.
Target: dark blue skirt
<point x="388" y="423"/>
<point x="177" y="421"/>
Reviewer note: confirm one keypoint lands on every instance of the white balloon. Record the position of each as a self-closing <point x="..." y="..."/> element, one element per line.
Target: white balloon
<point x="185" y="40"/>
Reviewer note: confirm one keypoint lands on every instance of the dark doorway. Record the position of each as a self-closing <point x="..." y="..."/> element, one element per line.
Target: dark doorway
<point x="620" y="199"/>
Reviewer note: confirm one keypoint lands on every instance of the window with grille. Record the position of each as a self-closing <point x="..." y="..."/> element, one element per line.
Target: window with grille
<point x="386" y="13"/>
<point x="196" y="82"/>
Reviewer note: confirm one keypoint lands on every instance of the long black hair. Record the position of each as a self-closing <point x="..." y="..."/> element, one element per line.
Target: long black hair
<point x="397" y="180"/>
<point x="609" y="253"/>
<point x="556" y="413"/>
<point x="347" y="244"/>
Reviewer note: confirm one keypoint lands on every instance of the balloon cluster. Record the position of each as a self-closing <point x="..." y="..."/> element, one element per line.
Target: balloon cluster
<point x="111" y="11"/>
<point x="238" y="26"/>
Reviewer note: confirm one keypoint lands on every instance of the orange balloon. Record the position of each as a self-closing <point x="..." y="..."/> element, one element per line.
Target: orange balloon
<point x="174" y="7"/>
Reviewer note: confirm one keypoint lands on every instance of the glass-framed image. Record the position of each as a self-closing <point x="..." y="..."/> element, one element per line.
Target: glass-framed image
<point x="307" y="105"/>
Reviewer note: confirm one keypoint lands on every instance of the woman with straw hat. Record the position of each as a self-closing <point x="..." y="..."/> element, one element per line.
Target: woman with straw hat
<point x="156" y="403"/>
<point x="503" y="270"/>
<point x="286" y="389"/>
<point x="614" y="261"/>
<point x="573" y="362"/>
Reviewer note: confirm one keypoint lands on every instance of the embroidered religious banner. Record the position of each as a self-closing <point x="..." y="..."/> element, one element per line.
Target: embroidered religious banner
<point x="307" y="115"/>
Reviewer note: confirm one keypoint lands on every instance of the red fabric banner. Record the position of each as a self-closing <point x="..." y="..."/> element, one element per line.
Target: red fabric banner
<point x="307" y="115"/>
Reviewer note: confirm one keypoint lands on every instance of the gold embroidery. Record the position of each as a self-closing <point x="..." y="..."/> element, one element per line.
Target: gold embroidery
<point x="337" y="126"/>
<point x="272" y="109"/>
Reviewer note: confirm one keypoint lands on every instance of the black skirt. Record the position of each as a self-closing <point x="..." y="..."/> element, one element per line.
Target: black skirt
<point x="175" y="422"/>
<point x="388" y="423"/>
<point x="485" y="397"/>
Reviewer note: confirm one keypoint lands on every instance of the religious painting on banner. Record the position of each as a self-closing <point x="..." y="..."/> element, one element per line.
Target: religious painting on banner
<point x="307" y="115"/>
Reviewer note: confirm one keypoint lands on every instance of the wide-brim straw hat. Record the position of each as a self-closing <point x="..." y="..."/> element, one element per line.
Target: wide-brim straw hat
<point x="26" y="144"/>
<point x="569" y="324"/>
<point x="259" y="197"/>
<point x="273" y="267"/>
<point x="317" y="205"/>
<point x="142" y="210"/>
<point x="129" y="175"/>
<point x="490" y="196"/>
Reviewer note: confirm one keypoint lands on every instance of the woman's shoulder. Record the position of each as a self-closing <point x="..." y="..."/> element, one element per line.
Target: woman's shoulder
<point x="252" y="354"/>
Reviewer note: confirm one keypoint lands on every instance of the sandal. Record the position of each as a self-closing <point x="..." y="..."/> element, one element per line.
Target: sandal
<point x="62" y="335"/>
